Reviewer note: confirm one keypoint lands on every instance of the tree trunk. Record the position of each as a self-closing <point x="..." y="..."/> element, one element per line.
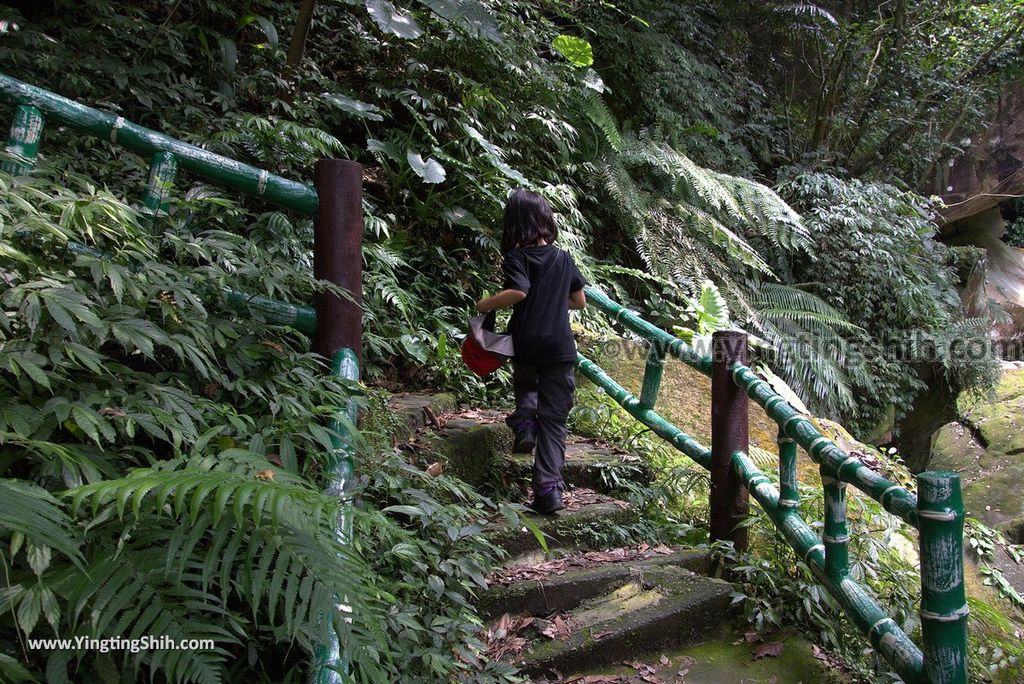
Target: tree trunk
<point x="298" y="44"/>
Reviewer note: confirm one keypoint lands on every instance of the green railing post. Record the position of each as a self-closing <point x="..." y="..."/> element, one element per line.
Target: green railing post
<point x="23" y="142"/>
<point x="944" y="611"/>
<point x="652" y="375"/>
<point x="835" y="535"/>
<point x="338" y="259"/>
<point x="789" y="493"/>
<point x="162" y="169"/>
<point x="729" y="434"/>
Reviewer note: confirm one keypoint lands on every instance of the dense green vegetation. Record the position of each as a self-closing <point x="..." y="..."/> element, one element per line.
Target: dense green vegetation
<point x="139" y="413"/>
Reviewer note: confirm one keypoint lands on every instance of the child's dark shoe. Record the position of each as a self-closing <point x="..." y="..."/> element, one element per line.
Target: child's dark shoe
<point x="526" y="439"/>
<point x="548" y="503"/>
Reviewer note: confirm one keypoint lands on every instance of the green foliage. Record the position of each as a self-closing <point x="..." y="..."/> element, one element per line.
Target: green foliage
<point x="873" y="240"/>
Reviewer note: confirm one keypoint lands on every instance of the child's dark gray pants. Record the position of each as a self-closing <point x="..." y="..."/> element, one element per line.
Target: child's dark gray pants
<point x="544" y="396"/>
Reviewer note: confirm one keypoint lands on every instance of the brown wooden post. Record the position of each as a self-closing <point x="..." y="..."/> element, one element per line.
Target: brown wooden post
<point x="338" y="256"/>
<point x="729" y="498"/>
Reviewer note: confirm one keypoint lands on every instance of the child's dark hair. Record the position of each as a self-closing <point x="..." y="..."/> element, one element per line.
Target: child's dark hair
<point x="528" y="220"/>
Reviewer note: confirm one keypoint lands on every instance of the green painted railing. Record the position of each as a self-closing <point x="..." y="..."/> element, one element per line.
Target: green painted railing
<point x="937" y="511"/>
<point x="338" y="234"/>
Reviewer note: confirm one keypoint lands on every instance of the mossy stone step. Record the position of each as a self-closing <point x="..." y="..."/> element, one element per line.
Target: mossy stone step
<point x="564" y="530"/>
<point x="725" y="657"/>
<point x="589" y="465"/>
<point x="560" y="592"/>
<point x="411" y="410"/>
<point x="663" y="607"/>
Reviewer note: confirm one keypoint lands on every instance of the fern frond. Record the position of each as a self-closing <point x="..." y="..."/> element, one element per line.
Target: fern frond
<point x="599" y="114"/>
<point x="30" y="510"/>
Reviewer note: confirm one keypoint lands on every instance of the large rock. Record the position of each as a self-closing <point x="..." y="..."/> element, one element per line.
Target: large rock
<point x="986" y="446"/>
<point x="992" y="167"/>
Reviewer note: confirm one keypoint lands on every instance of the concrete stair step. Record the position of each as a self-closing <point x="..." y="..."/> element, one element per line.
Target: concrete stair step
<point x="551" y="586"/>
<point x="723" y="657"/>
<point x="566" y="530"/>
<point x="475" y="446"/>
<point x="412" y="410"/>
<point x="590" y="465"/>
<point x="662" y="607"/>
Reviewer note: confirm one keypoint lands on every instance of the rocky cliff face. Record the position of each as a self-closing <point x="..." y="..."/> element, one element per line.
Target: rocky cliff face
<point x="986" y="446"/>
<point x="991" y="169"/>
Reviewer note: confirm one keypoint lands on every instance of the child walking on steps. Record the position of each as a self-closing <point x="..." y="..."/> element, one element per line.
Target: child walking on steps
<point x="541" y="284"/>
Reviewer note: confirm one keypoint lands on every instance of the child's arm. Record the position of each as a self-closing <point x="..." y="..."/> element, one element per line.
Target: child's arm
<point x="500" y="301"/>
<point x="577" y="300"/>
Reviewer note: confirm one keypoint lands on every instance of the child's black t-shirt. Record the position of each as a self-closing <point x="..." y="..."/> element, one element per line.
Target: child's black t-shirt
<point x="540" y="323"/>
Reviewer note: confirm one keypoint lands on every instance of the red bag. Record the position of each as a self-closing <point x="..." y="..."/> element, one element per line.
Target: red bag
<point x="485" y="351"/>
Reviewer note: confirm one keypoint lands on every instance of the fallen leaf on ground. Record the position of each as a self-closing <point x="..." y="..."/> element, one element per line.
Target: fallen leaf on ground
<point x="597" y="636"/>
<point x="772" y="649"/>
<point x="663" y="660"/>
<point x="752" y="637"/>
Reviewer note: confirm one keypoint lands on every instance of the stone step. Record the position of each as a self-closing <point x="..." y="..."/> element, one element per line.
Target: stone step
<point x="413" y="411"/>
<point x="663" y="607"/>
<point x="546" y="587"/>
<point x="567" y="530"/>
<point x="590" y="465"/>
<point x="724" y="656"/>
<point x="475" y="446"/>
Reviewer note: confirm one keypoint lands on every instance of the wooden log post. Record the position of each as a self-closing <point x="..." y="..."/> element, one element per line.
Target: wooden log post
<point x="338" y="256"/>
<point x="729" y="434"/>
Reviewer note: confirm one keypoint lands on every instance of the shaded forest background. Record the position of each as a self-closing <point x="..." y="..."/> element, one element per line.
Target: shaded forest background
<point x="711" y="164"/>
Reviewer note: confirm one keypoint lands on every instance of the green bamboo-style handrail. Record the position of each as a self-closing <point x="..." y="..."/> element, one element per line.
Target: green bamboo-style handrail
<point x="893" y="497"/>
<point x="938" y="513"/>
<point x="33" y="105"/>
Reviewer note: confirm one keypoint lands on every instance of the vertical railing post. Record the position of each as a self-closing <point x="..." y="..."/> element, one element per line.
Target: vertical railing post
<point x="940" y="511"/>
<point x="338" y="259"/>
<point x="163" y="167"/>
<point x="789" y="492"/>
<point x="23" y="142"/>
<point x="729" y="434"/>
<point x="652" y="375"/>
<point x="835" y="536"/>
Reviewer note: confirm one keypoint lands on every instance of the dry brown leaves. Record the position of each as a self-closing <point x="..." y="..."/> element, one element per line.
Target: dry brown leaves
<point x="559" y="627"/>
<point x="478" y="415"/>
<point x="588" y="559"/>
<point x="828" y="659"/>
<point x="772" y="649"/>
<point x="575" y="499"/>
<point x="502" y="639"/>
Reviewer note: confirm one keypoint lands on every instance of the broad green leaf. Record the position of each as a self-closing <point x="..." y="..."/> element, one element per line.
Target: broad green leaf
<point x="430" y="170"/>
<point x="361" y="110"/>
<point x="471" y="14"/>
<point x="576" y="50"/>
<point x="229" y="53"/>
<point x="393" y="20"/>
<point x="265" y="25"/>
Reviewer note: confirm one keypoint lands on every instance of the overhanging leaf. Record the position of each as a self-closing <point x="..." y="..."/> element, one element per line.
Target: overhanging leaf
<point x="576" y="50"/>
<point x="361" y="110"/>
<point x="471" y="14"/>
<point x="430" y="170"/>
<point x="392" y="20"/>
<point x="268" y="28"/>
